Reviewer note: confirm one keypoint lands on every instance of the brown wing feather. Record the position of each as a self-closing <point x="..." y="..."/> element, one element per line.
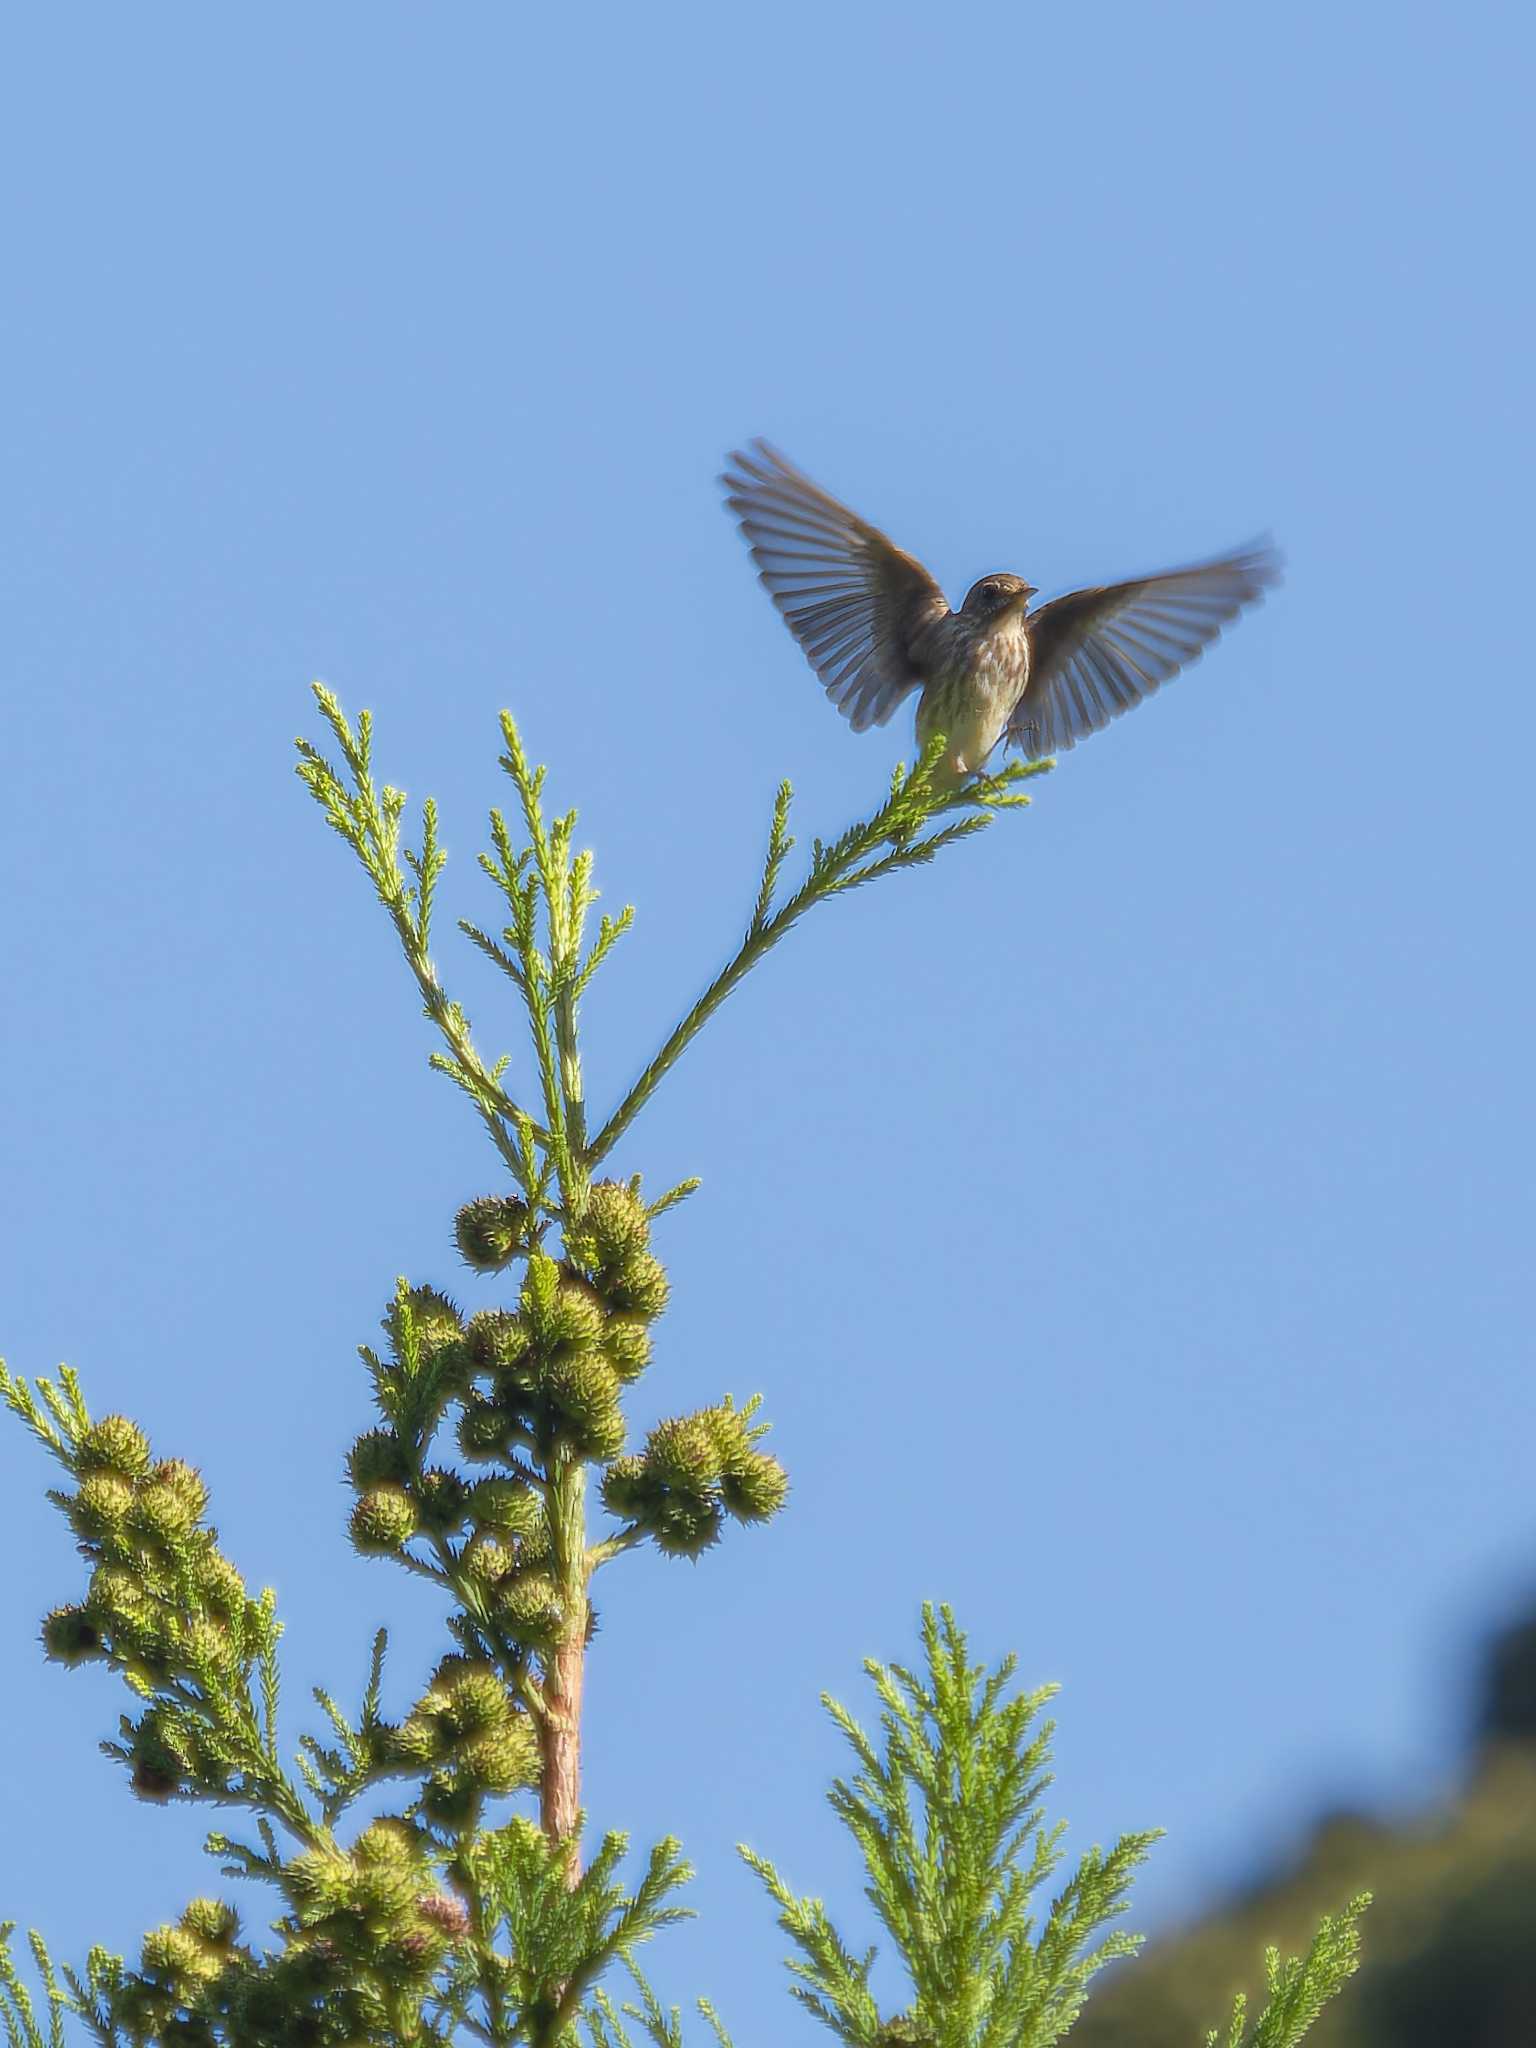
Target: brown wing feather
<point x="854" y="601"/>
<point x="1098" y="652"/>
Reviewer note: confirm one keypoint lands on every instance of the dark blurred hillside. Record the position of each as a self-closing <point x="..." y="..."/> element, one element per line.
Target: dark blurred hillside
<point x="1450" y="1943"/>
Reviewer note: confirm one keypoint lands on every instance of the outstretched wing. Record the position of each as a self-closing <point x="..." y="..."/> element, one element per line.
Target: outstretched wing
<point x="852" y="599"/>
<point x="1098" y="652"/>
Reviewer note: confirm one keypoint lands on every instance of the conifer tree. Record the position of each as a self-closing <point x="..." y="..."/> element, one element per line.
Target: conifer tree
<point x="497" y="1438"/>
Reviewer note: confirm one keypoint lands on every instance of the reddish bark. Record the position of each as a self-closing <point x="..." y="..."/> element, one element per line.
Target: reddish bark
<point x="560" y="1734"/>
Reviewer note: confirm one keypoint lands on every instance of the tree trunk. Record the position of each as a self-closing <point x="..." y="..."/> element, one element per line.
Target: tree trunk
<point x="560" y="1731"/>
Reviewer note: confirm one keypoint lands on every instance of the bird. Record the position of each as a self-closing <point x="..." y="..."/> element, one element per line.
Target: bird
<point x="876" y="627"/>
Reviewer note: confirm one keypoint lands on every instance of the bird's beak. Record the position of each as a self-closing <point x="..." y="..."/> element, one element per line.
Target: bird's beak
<point x="1025" y="594"/>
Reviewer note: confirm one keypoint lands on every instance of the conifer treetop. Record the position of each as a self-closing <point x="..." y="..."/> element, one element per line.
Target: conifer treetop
<point x="455" y="1915"/>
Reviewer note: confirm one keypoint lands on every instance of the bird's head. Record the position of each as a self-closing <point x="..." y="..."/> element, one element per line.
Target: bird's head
<point x="995" y="595"/>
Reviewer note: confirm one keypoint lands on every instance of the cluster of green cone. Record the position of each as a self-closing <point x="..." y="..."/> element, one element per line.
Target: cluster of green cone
<point x="363" y="1926"/>
<point x="534" y="1386"/>
<point x="165" y="1606"/>
<point x="468" y="1736"/>
<point x="694" y="1471"/>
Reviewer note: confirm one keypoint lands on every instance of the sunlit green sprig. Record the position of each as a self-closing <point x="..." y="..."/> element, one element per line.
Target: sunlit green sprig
<point x="19" y="2016"/>
<point x="606" y="2022"/>
<point x="1298" y="1988"/>
<point x="548" y="891"/>
<point x="367" y="816"/>
<point x="545" y="1935"/>
<point x="946" y="1814"/>
<point x="542" y="950"/>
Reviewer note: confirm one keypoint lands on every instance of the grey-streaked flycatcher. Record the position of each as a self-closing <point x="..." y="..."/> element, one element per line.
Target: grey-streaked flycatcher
<point x="875" y="626"/>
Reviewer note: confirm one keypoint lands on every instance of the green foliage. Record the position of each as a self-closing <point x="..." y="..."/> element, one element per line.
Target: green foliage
<point x="1300" y="1987"/>
<point x="546" y="1935"/>
<point x="542" y="949"/>
<point x="606" y="2023"/>
<point x="18" y="2008"/>
<point x="947" y="1818"/>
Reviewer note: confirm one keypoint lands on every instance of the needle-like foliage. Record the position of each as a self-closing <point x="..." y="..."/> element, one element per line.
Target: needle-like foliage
<point x="548" y="892"/>
<point x="1298" y="1988"/>
<point x="18" y="2009"/>
<point x="947" y="1817"/>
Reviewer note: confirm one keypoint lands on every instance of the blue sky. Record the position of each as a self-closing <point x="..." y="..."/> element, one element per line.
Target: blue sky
<point x="1127" y="1221"/>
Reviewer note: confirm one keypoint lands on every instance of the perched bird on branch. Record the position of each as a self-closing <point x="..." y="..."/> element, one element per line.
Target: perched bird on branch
<point x="875" y="626"/>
